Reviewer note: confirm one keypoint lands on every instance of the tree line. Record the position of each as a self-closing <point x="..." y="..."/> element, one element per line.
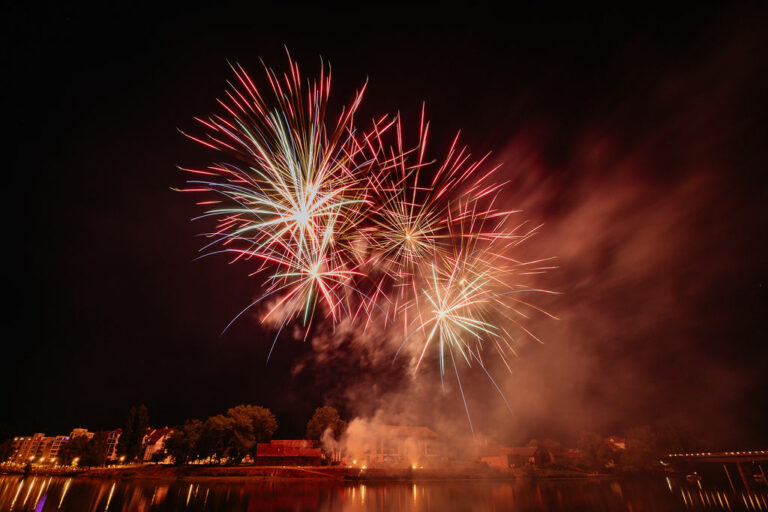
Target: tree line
<point x="229" y="437"/>
<point x="233" y="436"/>
<point x="226" y="437"/>
<point x="644" y="446"/>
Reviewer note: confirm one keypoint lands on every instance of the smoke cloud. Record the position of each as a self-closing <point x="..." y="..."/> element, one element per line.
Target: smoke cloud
<point x="656" y="222"/>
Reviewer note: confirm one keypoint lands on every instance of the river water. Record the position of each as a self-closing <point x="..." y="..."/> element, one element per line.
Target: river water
<point x="37" y="493"/>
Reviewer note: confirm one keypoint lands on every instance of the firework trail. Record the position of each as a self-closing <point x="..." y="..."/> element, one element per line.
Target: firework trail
<point x="291" y="194"/>
<point x="356" y="224"/>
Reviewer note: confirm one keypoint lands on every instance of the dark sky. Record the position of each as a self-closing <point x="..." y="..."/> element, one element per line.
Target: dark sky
<point x="106" y="309"/>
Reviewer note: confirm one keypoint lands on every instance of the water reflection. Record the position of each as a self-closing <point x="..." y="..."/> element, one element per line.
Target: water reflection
<point x="36" y="493"/>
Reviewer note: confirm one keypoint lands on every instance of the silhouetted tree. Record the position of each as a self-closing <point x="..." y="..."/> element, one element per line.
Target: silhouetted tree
<point x="139" y="431"/>
<point x="213" y="437"/>
<point x="231" y="436"/>
<point x="127" y="433"/>
<point x="669" y="437"/>
<point x="323" y="419"/>
<point x="95" y="450"/>
<point x="262" y="420"/>
<point x="640" y="454"/>
<point x="543" y="454"/>
<point x="595" y="452"/>
<point x="130" y="442"/>
<point x="247" y="426"/>
<point x="72" y="449"/>
<point x="184" y="442"/>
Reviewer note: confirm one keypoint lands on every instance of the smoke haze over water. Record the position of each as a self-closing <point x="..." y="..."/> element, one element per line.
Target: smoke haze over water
<point x="658" y="226"/>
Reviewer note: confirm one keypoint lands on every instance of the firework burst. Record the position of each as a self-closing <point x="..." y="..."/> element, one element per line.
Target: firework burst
<point x="293" y="191"/>
<point x="342" y="221"/>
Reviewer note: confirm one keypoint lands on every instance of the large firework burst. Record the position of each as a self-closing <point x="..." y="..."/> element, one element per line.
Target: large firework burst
<point x="291" y="194"/>
<point x="340" y="221"/>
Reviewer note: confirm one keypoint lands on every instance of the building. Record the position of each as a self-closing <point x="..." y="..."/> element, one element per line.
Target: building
<point x="520" y="457"/>
<point x="77" y="432"/>
<point x="37" y="448"/>
<point x="568" y="457"/>
<point x="154" y="442"/>
<point x="288" y="452"/>
<point x="52" y="447"/>
<point x="113" y="437"/>
<point x="371" y="443"/>
<point x="408" y="444"/>
<point x="26" y="448"/>
<point x="505" y="457"/>
<point x="616" y="443"/>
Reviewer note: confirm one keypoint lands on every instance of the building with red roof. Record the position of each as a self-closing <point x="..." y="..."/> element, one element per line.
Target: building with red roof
<point x="288" y="452"/>
<point x="154" y="441"/>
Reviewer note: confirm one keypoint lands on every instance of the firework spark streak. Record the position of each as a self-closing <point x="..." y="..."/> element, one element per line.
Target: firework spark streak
<point x="346" y="223"/>
<point x="292" y="193"/>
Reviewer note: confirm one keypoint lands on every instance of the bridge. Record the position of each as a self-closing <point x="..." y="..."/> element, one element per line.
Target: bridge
<point x="739" y="458"/>
<point x="746" y="456"/>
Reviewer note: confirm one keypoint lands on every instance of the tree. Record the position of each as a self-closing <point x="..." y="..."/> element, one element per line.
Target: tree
<point x="247" y="426"/>
<point x="72" y="449"/>
<point x="640" y="454"/>
<point x="94" y="452"/>
<point x="127" y="434"/>
<point x="213" y="437"/>
<point x="595" y="453"/>
<point x="136" y="425"/>
<point x="262" y="421"/>
<point x="323" y="419"/>
<point x="231" y="436"/>
<point x="669" y="437"/>
<point x="184" y="442"/>
<point x="140" y="427"/>
<point x="240" y="440"/>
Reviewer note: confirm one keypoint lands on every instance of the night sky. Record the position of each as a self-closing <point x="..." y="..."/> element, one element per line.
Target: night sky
<point x="637" y="138"/>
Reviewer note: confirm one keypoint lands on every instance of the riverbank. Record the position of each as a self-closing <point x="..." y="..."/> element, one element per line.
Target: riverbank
<point x="337" y="473"/>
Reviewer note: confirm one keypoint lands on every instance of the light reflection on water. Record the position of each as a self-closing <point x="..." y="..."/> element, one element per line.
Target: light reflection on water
<point x="37" y="493"/>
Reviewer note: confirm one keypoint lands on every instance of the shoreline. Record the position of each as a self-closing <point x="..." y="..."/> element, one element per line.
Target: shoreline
<point x="299" y="473"/>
